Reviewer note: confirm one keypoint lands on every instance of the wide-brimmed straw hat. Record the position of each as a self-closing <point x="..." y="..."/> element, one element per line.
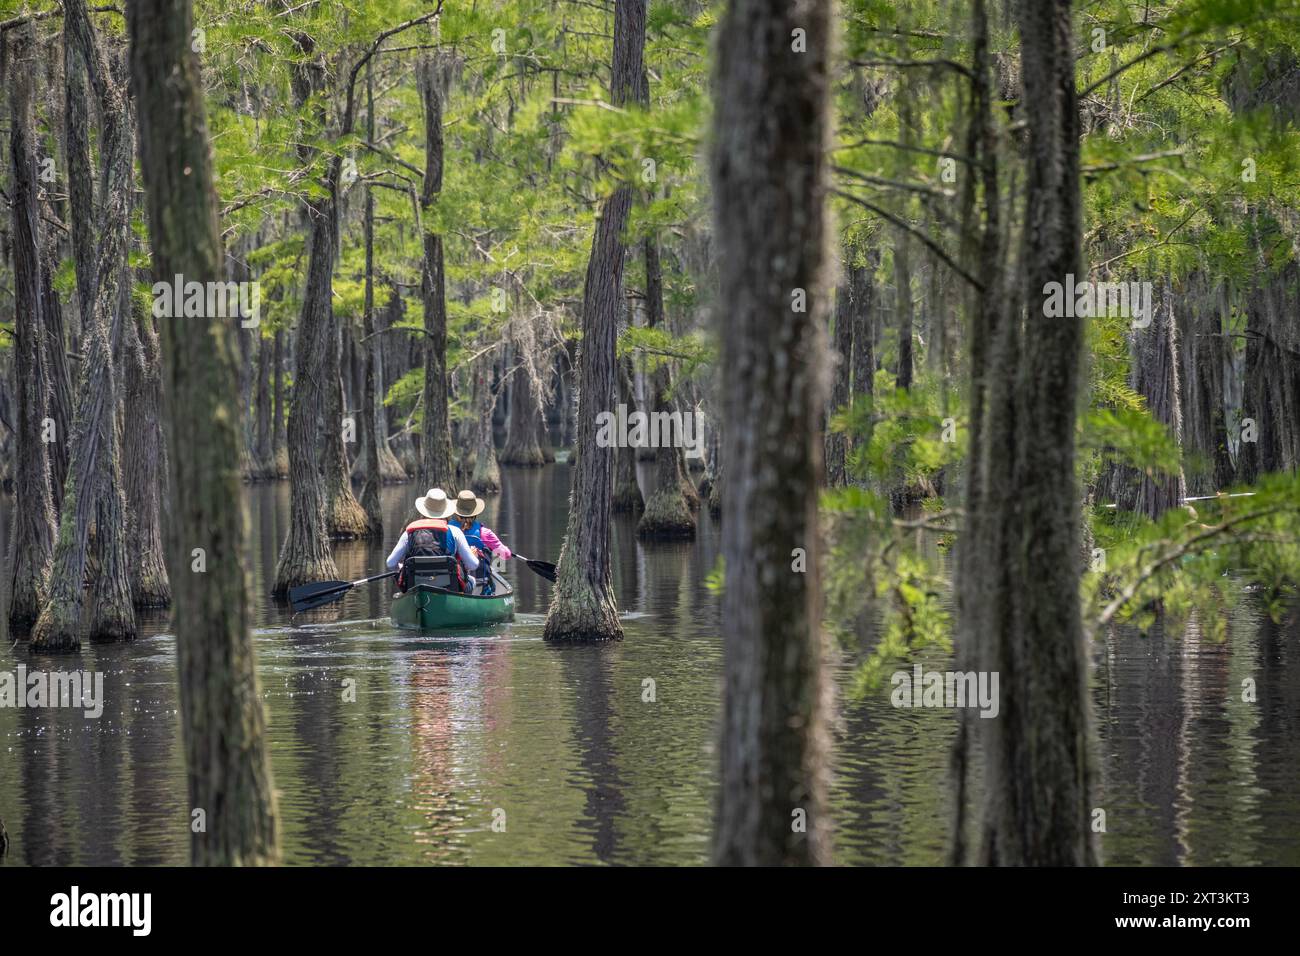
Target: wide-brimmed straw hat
<point x="469" y="505"/>
<point x="435" y="504"/>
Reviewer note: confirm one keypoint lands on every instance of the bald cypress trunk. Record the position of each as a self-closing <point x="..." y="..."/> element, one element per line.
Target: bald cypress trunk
<point x="344" y="515"/>
<point x="668" y="512"/>
<point x="93" y="495"/>
<point x="1203" y="355"/>
<point x="223" y="721"/>
<point x="841" y="378"/>
<point x="305" y="555"/>
<point x="627" y="492"/>
<point x="146" y="462"/>
<point x="370" y="436"/>
<point x="1020" y="578"/>
<point x="769" y="184"/>
<point x="1155" y="376"/>
<point x="31" y="543"/>
<point x="437" y="467"/>
<point x="486" y="478"/>
<point x="903" y="308"/>
<point x="582" y="604"/>
<point x="1271" y="391"/>
<point x="521" y="448"/>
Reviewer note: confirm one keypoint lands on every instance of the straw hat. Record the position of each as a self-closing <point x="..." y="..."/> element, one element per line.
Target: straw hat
<point x="435" y="504"/>
<point x="469" y="505"/>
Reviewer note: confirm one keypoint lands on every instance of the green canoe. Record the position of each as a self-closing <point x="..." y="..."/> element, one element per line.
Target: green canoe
<point x="426" y="607"/>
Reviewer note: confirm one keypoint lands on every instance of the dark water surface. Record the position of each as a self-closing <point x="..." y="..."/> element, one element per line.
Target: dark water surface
<point x="562" y="744"/>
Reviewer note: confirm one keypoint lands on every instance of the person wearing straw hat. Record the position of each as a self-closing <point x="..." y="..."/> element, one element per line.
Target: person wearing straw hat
<point x="433" y="535"/>
<point x="482" y="540"/>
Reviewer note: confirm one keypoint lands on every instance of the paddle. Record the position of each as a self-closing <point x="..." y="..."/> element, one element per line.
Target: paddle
<point x="307" y="596"/>
<point x="544" y="568"/>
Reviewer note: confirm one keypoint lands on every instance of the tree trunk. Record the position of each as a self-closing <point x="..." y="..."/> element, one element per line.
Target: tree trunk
<point x="1271" y="392"/>
<point x="903" y="304"/>
<point x="668" y="513"/>
<point x="1154" y="352"/>
<point x="31" y="544"/>
<point x="223" y="721"/>
<point x="263" y="459"/>
<point x="146" y="463"/>
<point x="841" y="358"/>
<point x="521" y="448"/>
<point x="769" y="184"/>
<point x="437" y="467"/>
<point x="345" y="517"/>
<point x="305" y="555"/>
<point x="1020" y="593"/>
<point x="370" y="433"/>
<point x="279" y="435"/>
<point x="627" y="492"/>
<point x="93" y="496"/>
<point x="582" y="604"/>
<point x="1202" y="352"/>
<point x="487" y="474"/>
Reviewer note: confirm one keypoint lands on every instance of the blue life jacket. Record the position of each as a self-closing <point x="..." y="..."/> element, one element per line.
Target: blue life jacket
<point x="474" y="535"/>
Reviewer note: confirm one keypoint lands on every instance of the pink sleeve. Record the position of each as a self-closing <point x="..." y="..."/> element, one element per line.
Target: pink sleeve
<point x="494" y="543"/>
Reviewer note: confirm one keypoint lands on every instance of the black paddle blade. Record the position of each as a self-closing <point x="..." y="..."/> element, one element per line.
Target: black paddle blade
<point x="314" y="595"/>
<point x="544" y="568"/>
<point x="321" y="601"/>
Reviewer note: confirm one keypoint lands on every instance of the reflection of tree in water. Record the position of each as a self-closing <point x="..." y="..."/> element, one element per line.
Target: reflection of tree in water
<point x="1277" y="677"/>
<point x="589" y="671"/>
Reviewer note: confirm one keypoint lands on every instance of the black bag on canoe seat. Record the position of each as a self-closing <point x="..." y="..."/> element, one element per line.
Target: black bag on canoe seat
<point x="441" y="570"/>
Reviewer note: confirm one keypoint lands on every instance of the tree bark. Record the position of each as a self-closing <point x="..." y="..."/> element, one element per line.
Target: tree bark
<point x="93" y="496"/>
<point x="1020" y="593"/>
<point x="31" y="543"/>
<point x="305" y="555"/>
<point x="487" y="473"/>
<point x="627" y="492"/>
<point x="146" y="463"/>
<point x="668" y="512"/>
<point x="769" y="186"/>
<point x="437" y="467"/>
<point x="841" y="380"/>
<point x="582" y="604"/>
<point x="903" y="304"/>
<point x="521" y="448"/>
<point x="223" y="721"/>
<point x="370" y="433"/>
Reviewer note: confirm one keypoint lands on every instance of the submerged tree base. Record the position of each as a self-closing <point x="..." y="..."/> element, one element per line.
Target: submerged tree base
<point x="668" y="515"/>
<point x="627" y="499"/>
<point x="581" y="617"/>
<point x="302" y="569"/>
<point x="54" y="634"/>
<point x="347" y="519"/>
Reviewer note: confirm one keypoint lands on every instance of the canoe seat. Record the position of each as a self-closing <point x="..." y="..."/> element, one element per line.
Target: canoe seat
<point x="438" y="570"/>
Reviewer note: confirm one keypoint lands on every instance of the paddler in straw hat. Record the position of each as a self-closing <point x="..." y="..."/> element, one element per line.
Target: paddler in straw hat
<point x="482" y="540"/>
<point x="433" y="535"/>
